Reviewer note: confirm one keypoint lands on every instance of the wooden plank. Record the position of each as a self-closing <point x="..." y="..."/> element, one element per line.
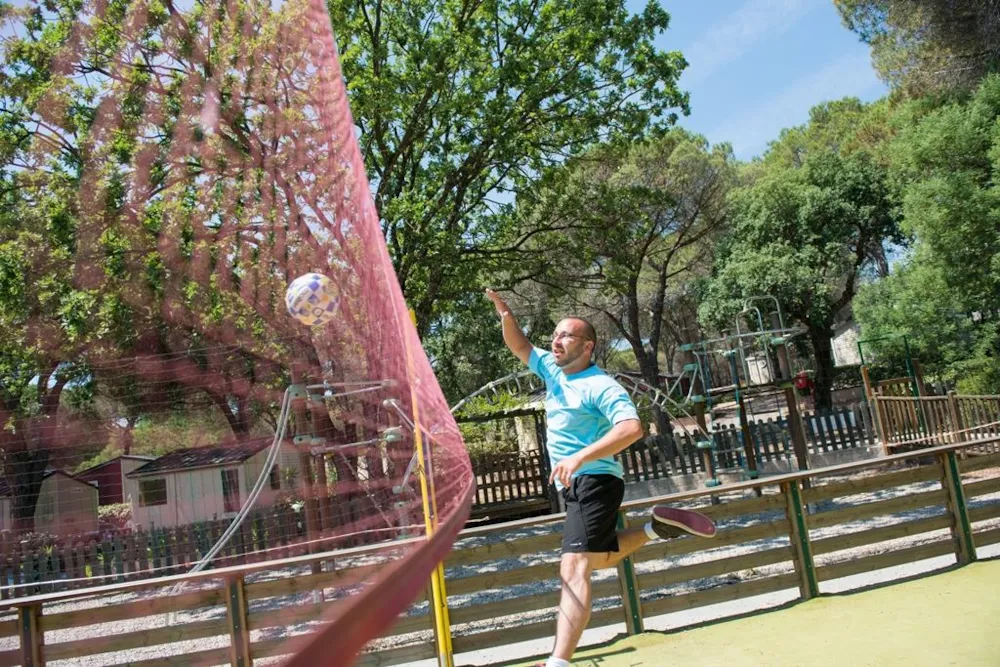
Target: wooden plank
<point x="32" y="638"/>
<point x="131" y="640"/>
<point x="732" y="508"/>
<point x="686" y="545"/>
<point x="695" y="462"/>
<point x="888" y="559"/>
<point x="8" y="628"/>
<point x="868" y="510"/>
<point x="982" y="487"/>
<point x="301" y="613"/>
<point x="523" y="604"/>
<point x="131" y="610"/>
<point x="880" y="534"/>
<point x="537" y="630"/>
<point x="397" y="656"/>
<point x="714" y="568"/>
<point x="306" y="583"/>
<point x="991" y="511"/>
<point x="849" y="487"/>
<point x="986" y="537"/>
<point x="753" y="505"/>
<point x="491" y="580"/>
<point x="271" y="648"/>
<point x="505" y="549"/>
<point x="825" y="430"/>
<point x="10" y="658"/>
<point x="719" y="594"/>
<point x="216" y="656"/>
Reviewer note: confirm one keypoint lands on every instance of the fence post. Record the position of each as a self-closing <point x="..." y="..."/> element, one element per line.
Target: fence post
<point x="961" y="529"/>
<point x="630" y="588"/>
<point x="795" y="429"/>
<point x="32" y="637"/>
<point x="798" y="531"/>
<point x="239" y="627"/>
<point x="956" y="417"/>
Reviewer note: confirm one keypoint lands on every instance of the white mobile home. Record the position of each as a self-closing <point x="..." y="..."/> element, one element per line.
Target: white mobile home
<point x="206" y="483"/>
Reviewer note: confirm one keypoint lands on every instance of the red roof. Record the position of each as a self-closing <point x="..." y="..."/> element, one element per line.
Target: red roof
<point x="202" y="457"/>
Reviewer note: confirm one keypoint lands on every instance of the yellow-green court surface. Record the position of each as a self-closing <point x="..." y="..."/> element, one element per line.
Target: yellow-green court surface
<point x="951" y="618"/>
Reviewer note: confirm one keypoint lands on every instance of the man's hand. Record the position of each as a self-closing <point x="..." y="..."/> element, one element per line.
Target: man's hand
<point x="498" y="302"/>
<point x="513" y="337"/>
<point x="564" y="470"/>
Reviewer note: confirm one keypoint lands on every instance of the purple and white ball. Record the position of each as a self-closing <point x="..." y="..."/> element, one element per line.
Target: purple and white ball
<point x="312" y="299"/>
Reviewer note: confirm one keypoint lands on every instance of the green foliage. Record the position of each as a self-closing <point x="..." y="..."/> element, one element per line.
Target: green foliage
<point x="462" y="105"/>
<point x="944" y="296"/>
<point x="924" y="45"/>
<point x="636" y="226"/>
<point x="116" y="516"/>
<point x="496" y="436"/>
<point x="467" y="350"/>
<point x="813" y="219"/>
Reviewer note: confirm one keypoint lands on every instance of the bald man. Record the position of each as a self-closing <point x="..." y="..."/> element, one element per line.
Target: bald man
<point x="590" y="419"/>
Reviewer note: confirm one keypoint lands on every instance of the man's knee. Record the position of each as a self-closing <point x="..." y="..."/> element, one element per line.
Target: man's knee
<point x="575" y="567"/>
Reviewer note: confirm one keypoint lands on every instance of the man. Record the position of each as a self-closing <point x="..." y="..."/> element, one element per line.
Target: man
<point x="590" y="419"/>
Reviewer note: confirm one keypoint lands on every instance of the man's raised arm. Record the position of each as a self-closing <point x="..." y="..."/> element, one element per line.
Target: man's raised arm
<point x="512" y="334"/>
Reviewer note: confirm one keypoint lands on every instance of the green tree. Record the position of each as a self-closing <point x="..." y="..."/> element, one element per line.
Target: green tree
<point x="132" y="229"/>
<point x="462" y="105"/>
<point x="924" y="45"/>
<point x="812" y="221"/>
<point x="945" y="295"/>
<point x="637" y="225"/>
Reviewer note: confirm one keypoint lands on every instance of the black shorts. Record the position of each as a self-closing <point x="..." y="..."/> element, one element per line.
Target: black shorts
<point x="592" y="503"/>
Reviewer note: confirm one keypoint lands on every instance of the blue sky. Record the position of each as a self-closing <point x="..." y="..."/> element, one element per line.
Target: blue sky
<point x="757" y="66"/>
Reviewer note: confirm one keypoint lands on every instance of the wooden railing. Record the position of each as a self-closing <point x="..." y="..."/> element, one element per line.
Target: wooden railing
<point x="657" y="457"/>
<point x="268" y="533"/>
<point x="804" y="530"/>
<point x="909" y="422"/>
<point x="518" y="482"/>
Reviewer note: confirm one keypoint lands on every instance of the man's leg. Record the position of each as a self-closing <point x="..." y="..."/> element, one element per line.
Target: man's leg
<point x="574" y="602"/>
<point x="665" y="523"/>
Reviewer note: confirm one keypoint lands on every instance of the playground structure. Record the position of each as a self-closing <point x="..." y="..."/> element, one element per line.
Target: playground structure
<point x="804" y="530"/>
<point x="693" y="394"/>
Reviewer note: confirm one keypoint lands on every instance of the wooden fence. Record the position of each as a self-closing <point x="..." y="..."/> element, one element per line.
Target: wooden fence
<point x="828" y="431"/>
<point x="507" y="485"/>
<point x="267" y="534"/>
<point x="907" y="422"/>
<point x="512" y="483"/>
<point x="518" y="482"/>
<point x="805" y="530"/>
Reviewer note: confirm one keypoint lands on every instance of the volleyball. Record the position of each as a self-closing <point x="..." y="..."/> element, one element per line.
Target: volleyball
<point x="312" y="299"/>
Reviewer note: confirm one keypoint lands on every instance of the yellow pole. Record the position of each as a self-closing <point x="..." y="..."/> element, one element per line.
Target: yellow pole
<point x="440" y="604"/>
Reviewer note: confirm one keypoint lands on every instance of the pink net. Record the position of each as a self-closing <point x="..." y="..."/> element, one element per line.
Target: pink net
<point x="200" y="157"/>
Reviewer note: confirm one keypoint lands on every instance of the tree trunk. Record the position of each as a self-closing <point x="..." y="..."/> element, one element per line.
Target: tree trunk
<point x="128" y="436"/>
<point x="23" y="472"/>
<point x="650" y="371"/>
<point x="823" y="353"/>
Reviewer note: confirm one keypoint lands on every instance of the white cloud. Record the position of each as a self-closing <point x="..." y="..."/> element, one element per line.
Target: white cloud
<point x="727" y="41"/>
<point x="750" y="130"/>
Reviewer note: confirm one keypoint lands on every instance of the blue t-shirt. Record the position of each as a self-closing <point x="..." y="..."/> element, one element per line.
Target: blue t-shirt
<point x="580" y="409"/>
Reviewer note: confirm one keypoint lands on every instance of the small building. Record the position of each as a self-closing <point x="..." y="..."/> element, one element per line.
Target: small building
<point x="109" y="477"/>
<point x="65" y="506"/>
<point x="207" y="483"/>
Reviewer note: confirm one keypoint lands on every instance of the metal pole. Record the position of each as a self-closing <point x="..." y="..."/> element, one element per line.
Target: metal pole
<point x="439" y="594"/>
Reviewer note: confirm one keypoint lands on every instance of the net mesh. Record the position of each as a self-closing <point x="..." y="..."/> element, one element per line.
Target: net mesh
<point x="185" y="163"/>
